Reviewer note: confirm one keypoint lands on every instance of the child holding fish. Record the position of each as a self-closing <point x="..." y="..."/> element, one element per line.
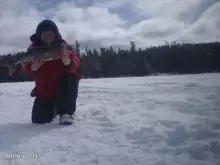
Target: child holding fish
<point x="56" y="81"/>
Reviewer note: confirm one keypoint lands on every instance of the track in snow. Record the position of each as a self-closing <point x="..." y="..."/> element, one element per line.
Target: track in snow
<point x="158" y="120"/>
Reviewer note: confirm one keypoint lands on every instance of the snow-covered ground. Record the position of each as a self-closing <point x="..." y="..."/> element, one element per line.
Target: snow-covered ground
<point x="159" y="120"/>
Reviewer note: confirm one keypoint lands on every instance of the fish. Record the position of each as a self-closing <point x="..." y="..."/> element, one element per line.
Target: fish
<point x="47" y="53"/>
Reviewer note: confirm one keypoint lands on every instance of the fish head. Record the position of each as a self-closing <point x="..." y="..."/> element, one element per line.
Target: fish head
<point x="68" y="47"/>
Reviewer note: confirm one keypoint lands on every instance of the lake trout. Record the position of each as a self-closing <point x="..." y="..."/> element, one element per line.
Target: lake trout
<point x="47" y="53"/>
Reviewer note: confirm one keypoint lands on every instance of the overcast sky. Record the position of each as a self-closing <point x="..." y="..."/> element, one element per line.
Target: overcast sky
<point x="111" y="22"/>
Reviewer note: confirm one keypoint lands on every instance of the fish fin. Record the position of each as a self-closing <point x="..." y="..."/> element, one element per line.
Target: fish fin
<point x="12" y="69"/>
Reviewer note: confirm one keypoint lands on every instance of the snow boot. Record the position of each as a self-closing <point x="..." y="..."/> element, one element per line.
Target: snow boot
<point x="66" y="119"/>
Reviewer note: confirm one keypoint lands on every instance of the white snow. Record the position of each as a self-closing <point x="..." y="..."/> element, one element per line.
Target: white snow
<point x="157" y="120"/>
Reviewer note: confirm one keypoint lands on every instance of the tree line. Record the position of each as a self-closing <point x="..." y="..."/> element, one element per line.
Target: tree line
<point x="170" y="58"/>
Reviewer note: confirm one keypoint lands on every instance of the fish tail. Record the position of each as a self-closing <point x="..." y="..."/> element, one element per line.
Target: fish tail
<point x="12" y="69"/>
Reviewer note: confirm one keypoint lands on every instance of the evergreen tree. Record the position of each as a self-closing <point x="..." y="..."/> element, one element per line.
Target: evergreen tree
<point x="77" y="48"/>
<point x="170" y="58"/>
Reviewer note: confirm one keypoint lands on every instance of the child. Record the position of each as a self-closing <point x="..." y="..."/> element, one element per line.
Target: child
<point x="56" y="81"/>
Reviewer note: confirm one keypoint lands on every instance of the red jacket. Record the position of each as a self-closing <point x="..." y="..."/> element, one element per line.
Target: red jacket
<point x="46" y="77"/>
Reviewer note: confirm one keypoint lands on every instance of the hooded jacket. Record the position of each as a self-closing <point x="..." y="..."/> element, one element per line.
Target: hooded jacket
<point x="46" y="77"/>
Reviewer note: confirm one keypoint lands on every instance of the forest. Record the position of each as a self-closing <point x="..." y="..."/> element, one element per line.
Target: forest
<point x="170" y="58"/>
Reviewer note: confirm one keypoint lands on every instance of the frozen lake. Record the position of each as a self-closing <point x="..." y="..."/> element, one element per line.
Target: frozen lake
<point x="158" y="120"/>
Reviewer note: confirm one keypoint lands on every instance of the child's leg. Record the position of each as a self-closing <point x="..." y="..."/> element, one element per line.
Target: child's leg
<point x="67" y="94"/>
<point x="43" y="110"/>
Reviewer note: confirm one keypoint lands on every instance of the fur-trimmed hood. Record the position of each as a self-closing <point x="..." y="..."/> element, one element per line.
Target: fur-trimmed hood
<point x="43" y="26"/>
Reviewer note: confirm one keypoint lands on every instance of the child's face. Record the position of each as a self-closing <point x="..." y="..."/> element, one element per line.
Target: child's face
<point x="48" y="37"/>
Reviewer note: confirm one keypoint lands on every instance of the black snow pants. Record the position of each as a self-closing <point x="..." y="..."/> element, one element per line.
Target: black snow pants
<point x="45" y="110"/>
